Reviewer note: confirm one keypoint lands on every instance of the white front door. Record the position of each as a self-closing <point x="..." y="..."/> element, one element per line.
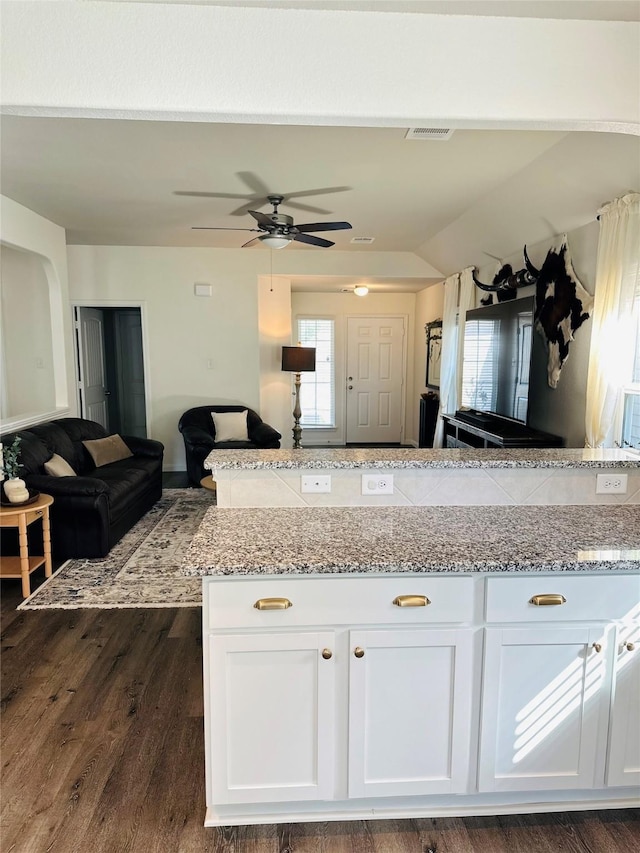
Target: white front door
<point x="375" y="372"/>
<point x="91" y="363"/>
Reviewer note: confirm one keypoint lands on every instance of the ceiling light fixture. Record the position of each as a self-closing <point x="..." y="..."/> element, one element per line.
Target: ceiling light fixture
<point x="275" y="241"/>
<point x="361" y="290"/>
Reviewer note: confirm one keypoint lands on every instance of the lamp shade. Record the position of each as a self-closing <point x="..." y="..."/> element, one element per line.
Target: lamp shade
<point x="298" y="359"/>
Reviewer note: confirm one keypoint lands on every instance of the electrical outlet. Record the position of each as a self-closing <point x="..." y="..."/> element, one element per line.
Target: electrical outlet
<point x="611" y="484"/>
<point x="315" y="483"/>
<point x="377" y="484"/>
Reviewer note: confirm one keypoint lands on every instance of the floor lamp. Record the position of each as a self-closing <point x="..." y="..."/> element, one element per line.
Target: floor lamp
<point x="296" y="360"/>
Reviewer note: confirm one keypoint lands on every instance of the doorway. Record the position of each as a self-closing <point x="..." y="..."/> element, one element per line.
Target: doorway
<point x="111" y="370"/>
<point x="375" y="374"/>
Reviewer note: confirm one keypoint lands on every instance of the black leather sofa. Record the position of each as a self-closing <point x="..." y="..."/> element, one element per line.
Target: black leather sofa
<point x="92" y="511"/>
<point x="198" y="432"/>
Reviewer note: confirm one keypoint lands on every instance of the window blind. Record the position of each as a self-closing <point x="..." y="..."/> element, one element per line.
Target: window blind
<point x="480" y="366"/>
<point x="317" y="390"/>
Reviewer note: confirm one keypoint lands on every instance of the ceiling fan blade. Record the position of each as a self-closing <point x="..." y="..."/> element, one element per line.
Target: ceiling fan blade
<point x="322" y="191"/>
<point x="308" y="208"/>
<point x="250" y="242"/>
<point x="262" y="218"/>
<point x="195" y="194"/>
<point x="215" y="228"/>
<point x="311" y="240"/>
<point x="323" y="226"/>
<point x="254" y="183"/>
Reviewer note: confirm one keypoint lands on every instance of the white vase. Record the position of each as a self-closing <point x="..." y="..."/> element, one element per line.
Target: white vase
<point x="15" y="490"/>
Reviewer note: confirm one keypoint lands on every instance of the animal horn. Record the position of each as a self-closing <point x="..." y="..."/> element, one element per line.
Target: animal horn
<point x="530" y="267"/>
<point x="492" y="288"/>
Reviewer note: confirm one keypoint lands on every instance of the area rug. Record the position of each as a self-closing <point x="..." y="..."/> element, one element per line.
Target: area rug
<point x="142" y="570"/>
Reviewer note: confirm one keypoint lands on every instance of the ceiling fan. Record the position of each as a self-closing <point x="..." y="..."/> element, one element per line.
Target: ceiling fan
<point x="278" y="229"/>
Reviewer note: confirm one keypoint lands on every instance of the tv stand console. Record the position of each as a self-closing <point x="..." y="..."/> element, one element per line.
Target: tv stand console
<point x="477" y="429"/>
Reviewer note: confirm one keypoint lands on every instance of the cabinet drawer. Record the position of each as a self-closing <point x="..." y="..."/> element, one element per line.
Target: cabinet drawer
<point x="338" y="601"/>
<point x="600" y="597"/>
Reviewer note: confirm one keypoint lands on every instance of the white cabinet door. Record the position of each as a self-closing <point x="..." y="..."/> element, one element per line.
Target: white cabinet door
<point x="270" y="701"/>
<point x="545" y="704"/>
<point x="410" y="697"/>
<point x="623" y="766"/>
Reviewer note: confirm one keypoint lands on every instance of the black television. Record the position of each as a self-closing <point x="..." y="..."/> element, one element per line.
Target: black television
<point x="497" y="360"/>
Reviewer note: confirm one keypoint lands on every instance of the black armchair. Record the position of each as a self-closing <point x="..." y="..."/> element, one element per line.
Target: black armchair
<point x="198" y="432"/>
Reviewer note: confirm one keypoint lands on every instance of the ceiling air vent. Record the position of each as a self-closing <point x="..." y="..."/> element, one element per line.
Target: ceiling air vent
<point x="439" y="133"/>
<point x="363" y="241"/>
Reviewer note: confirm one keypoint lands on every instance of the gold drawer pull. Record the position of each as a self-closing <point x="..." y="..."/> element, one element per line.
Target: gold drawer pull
<point x="630" y="647"/>
<point x="411" y="601"/>
<point x="547" y="599"/>
<point x="597" y="647"/>
<point x="327" y="654"/>
<point x="272" y="604"/>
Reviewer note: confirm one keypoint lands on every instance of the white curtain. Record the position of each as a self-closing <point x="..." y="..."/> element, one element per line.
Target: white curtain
<point x="466" y="302"/>
<point x="449" y="358"/>
<point x="612" y="339"/>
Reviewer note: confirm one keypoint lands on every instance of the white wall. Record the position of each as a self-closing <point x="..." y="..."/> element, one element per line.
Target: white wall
<point x="199" y="61"/>
<point x="27" y="359"/>
<point x="274" y="310"/>
<point x="21" y="228"/>
<point x="340" y="306"/>
<point x="237" y="330"/>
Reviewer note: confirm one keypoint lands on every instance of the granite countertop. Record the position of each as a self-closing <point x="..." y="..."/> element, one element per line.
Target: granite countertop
<point x="335" y="540"/>
<point x="409" y="457"/>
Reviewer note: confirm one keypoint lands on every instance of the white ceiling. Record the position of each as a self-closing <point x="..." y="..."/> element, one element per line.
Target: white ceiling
<point x="114" y="182"/>
<point x="588" y="10"/>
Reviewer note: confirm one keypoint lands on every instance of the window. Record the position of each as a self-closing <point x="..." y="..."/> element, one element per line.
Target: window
<point x="630" y="432"/>
<point x="317" y="391"/>
<point x="480" y="367"/>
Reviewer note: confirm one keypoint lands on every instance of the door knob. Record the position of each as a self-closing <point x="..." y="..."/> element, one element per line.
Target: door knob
<point x="350" y="387"/>
<point x="350" y="378"/>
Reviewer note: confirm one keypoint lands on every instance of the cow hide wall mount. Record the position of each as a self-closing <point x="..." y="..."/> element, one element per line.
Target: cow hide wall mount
<point x="562" y="303"/>
<point x="562" y="306"/>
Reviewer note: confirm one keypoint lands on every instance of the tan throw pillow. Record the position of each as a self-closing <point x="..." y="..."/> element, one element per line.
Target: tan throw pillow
<point x="103" y="451"/>
<point x="59" y="467"/>
<point x="230" y="426"/>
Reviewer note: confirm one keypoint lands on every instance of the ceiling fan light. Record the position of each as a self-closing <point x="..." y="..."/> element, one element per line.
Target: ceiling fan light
<point x="361" y="290"/>
<point x="275" y="241"/>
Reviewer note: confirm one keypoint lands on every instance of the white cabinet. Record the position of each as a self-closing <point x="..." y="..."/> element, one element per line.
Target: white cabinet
<point x="332" y="697"/>
<point x="270" y="700"/>
<point x="285" y="700"/>
<point x="409" y="711"/>
<point x="544" y="709"/>
<point x="561" y="694"/>
<point x="623" y="764"/>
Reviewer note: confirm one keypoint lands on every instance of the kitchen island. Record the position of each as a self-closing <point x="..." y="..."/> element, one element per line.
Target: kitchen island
<point x="424" y="477"/>
<point x="403" y="661"/>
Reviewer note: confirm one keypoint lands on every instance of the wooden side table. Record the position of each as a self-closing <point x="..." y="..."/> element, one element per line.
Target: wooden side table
<point x="21" y="517"/>
<point x="208" y="483"/>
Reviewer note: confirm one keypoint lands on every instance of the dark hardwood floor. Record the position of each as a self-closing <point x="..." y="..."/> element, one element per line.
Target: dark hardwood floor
<point x="102" y="752"/>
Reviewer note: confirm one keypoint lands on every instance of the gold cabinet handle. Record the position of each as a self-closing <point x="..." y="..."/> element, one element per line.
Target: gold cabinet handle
<point x="630" y="646"/>
<point x="327" y="654"/>
<point x="411" y="601"/>
<point x="547" y="599"/>
<point x="597" y="647"/>
<point x="358" y="652"/>
<point x="272" y="604"/>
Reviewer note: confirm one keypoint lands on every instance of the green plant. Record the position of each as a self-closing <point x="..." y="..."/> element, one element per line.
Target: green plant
<point x="10" y="464"/>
